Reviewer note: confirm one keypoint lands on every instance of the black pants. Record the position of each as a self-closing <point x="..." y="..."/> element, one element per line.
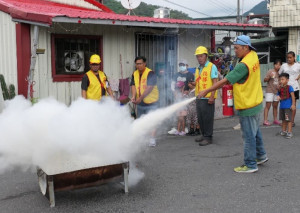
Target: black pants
<point x="205" y="113"/>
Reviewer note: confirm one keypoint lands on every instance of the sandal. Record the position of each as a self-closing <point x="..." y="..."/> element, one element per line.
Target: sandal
<point x="276" y="122"/>
<point x="266" y="123"/>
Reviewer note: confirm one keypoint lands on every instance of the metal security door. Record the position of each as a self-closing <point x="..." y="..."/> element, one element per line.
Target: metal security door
<point x="161" y="54"/>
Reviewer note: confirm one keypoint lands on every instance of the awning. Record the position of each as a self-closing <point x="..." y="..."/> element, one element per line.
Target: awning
<point x="44" y="12"/>
<point x="269" y="39"/>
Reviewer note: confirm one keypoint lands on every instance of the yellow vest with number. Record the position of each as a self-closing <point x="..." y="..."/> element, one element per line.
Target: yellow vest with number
<point x="249" y="94"/>
<point x="141" y="85"/>
<point x="94" y="90"/>
<point x="204" y="81"/>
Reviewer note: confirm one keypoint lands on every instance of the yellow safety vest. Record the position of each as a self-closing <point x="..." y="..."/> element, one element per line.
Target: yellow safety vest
<point x="249" y="94"/>
<point x="204" y="81"/>
<point x="141" y="85"/>
<point x="94" y="90"/>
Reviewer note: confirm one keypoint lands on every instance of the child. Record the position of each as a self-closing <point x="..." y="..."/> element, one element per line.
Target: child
<point x="271" y="93"/>
<point x="180" y="95"/>
<point x="192" y="120"/>
<point x="293" y="69"/>
<point x="287" y="104"/>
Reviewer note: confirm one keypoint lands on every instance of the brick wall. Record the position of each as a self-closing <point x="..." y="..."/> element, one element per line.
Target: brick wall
<point x="285" y="13"/>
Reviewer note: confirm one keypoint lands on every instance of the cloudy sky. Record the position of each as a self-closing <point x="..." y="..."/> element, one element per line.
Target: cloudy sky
<point x="206" y="8"/>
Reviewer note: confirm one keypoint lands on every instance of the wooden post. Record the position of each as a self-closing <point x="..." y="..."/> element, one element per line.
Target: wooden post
<point x="33" y="61"/>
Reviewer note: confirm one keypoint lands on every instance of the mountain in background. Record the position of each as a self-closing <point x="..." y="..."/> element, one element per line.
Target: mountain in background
<point x="260" y="8"/>
<point x="143" y="10"/>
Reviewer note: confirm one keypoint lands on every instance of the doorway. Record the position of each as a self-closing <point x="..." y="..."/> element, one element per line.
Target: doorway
<point x="161" y="54"/>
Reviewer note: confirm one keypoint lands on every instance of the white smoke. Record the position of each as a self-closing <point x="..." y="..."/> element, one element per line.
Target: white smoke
<point x="86" y="134"/>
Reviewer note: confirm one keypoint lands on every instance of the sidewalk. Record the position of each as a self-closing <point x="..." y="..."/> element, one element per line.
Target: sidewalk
<point x="230" y="122"/>
<point x="180" y="176"/>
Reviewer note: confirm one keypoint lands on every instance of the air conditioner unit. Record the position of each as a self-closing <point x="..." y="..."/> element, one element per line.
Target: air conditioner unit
<point x="162" y="13"/>
<point x="74" y="61"/>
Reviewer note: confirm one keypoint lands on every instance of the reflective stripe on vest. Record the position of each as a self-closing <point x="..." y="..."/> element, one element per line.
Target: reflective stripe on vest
<point x="204" y="81"/>
<point x="153" y="96"/>
<point x="94" y="90"/>
<point x="249" y="94"/>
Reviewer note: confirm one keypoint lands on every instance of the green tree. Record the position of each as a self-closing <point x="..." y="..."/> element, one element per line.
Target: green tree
<point x="115" y="6"/>
<point x="179" y="15"/>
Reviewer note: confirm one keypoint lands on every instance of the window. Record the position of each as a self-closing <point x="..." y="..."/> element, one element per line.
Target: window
<point x="71" y="54"/>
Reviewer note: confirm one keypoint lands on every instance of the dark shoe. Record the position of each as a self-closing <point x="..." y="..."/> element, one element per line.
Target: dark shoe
<point x="205" y="142"/>
<point x="199" y="139"/>
<point x="191" y="132"/>
<point x="197" y="132"/>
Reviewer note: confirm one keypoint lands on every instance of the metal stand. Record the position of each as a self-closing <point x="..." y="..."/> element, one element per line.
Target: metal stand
<point x="51" y="191"/>
<point x="82" y="178"/>
<point x="125" y="174"/>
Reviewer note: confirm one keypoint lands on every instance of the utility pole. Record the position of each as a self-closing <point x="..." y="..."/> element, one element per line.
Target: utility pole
<point x="238" y="12"/>
<point x="238" y="20"/>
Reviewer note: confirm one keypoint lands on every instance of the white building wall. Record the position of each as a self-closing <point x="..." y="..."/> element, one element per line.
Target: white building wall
<point x="293" y="40"/>
<point x="189" y="40"/>
<point x="116" y="41"/>
<point x="8" y="54"/>
<point x="284" y="13"/>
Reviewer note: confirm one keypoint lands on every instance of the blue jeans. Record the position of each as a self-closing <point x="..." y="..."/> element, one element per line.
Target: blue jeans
<point x="253" y="142"/>
<point x="141" y="110"/>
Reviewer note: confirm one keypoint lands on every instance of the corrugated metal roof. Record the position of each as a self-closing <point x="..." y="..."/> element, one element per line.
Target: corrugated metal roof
<point x="44" y="11"/>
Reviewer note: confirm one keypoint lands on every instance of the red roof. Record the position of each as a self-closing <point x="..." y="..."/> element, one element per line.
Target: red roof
<point x="44" y="11"/>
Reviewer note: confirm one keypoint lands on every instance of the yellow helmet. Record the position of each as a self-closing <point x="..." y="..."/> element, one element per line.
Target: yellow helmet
<point x="95" y="59"/>
<point x="201" y="50"/>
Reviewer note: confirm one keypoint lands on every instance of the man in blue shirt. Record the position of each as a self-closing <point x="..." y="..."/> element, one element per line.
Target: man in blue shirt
<point x="206" y="75"/>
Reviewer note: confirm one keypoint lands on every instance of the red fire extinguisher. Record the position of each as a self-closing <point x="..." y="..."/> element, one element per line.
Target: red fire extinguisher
<point x="227" y="100"/>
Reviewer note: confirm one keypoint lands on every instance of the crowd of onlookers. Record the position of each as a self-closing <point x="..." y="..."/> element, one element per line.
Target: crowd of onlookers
<point x="282" y="86"/>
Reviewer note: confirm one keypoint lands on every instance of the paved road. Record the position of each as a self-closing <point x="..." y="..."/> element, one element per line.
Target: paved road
<point x="181" y="176"/>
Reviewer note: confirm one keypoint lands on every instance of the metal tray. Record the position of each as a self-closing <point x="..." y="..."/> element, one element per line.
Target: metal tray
<point x="49" y="184"/>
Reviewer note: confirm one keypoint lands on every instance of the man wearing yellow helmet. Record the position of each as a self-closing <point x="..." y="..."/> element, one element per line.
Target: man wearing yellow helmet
<point x="206" y="75"/>
<point x="94" y="83"/>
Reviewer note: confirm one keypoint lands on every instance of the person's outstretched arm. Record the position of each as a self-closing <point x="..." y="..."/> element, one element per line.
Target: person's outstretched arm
<point x="214" y="87"/>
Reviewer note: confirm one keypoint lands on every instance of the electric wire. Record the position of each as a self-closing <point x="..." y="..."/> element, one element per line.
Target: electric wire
<point x="217" y="4"/>
<point x="187" y="8"/>
<point x="211" y="1"/>
<point x="194" y="10"/>
<point x="224" y="5"/>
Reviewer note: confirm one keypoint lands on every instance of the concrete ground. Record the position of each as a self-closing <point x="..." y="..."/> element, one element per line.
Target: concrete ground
<point x="181" y="176"/>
